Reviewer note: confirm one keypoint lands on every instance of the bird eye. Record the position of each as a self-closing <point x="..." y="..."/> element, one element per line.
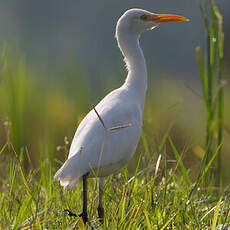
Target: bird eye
<point x="144" y="17"/>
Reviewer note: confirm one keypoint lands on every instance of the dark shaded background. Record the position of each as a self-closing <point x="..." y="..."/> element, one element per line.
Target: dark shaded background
<point x="52" y="32"/>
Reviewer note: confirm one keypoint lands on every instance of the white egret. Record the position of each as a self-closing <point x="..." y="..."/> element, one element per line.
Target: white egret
<point x="97" y="149"/>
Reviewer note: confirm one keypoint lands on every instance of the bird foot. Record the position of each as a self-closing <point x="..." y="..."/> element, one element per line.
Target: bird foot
<point x="83" y="215"/>
<point x="100" y="211"/>
<point x="70" y="213"/>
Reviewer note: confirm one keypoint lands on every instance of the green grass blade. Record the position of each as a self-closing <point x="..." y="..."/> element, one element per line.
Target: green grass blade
<point x="216" y="213"/>
<point x="183" y="169"/>
<point x="145" y="143"/>
<point x="220" y="100"/>
<point x="209" y="164"/>
<point x="12" y="176"/>
<point x="220" y="36"/>
<point x="166" y="224"/>
<point x="202" y="74"/>
<point x="3" y="148"/>
<point x="147" y="220"/>
<point x="24" y="180"/>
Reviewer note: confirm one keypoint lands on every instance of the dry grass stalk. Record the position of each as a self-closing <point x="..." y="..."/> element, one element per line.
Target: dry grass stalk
<point x="112" y="128"/>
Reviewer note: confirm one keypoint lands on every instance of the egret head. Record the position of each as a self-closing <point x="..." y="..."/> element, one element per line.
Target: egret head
<point x="138" y="20"/>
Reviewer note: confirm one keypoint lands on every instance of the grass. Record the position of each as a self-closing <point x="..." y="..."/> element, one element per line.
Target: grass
<point x="146" y="200"/>
<point x="162" y="188"/>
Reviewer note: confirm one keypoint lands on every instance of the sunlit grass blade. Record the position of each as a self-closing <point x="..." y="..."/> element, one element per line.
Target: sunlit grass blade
<point x="205" y="215"/>
<point x="204" y="171"/>
<point x="148" y="225"/>
<point x="167" y="223"/>
<point x="157" y="164"/>
<point x="209" y="163"/>
<point x="215" y="216"/>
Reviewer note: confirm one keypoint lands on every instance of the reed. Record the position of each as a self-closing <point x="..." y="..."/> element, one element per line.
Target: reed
<point x="212" y="84"/>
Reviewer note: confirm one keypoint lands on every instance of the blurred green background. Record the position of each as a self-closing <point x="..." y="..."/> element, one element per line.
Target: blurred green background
<point x="60" y="58"/>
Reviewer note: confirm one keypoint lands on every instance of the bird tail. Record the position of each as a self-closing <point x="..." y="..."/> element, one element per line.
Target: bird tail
<point x="69" y="174"/>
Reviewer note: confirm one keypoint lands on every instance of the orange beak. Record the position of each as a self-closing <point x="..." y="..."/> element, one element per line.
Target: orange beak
<point x="159" y="18"/>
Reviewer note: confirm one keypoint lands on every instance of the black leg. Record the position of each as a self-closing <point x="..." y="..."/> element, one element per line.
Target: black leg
<point x="84" y="214"/>
<point x="100" y="211"/>
<point x="100" y="208"/>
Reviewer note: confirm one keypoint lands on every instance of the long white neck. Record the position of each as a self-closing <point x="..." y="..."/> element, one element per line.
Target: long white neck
<point x="128" y="42"/>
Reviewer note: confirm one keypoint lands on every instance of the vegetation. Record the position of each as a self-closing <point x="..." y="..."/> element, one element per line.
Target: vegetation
<point x="208" y="70"/>
<point x="162" y="188"/>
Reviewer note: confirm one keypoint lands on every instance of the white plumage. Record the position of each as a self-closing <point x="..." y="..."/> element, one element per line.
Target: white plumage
<point x="99" y="151"/>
